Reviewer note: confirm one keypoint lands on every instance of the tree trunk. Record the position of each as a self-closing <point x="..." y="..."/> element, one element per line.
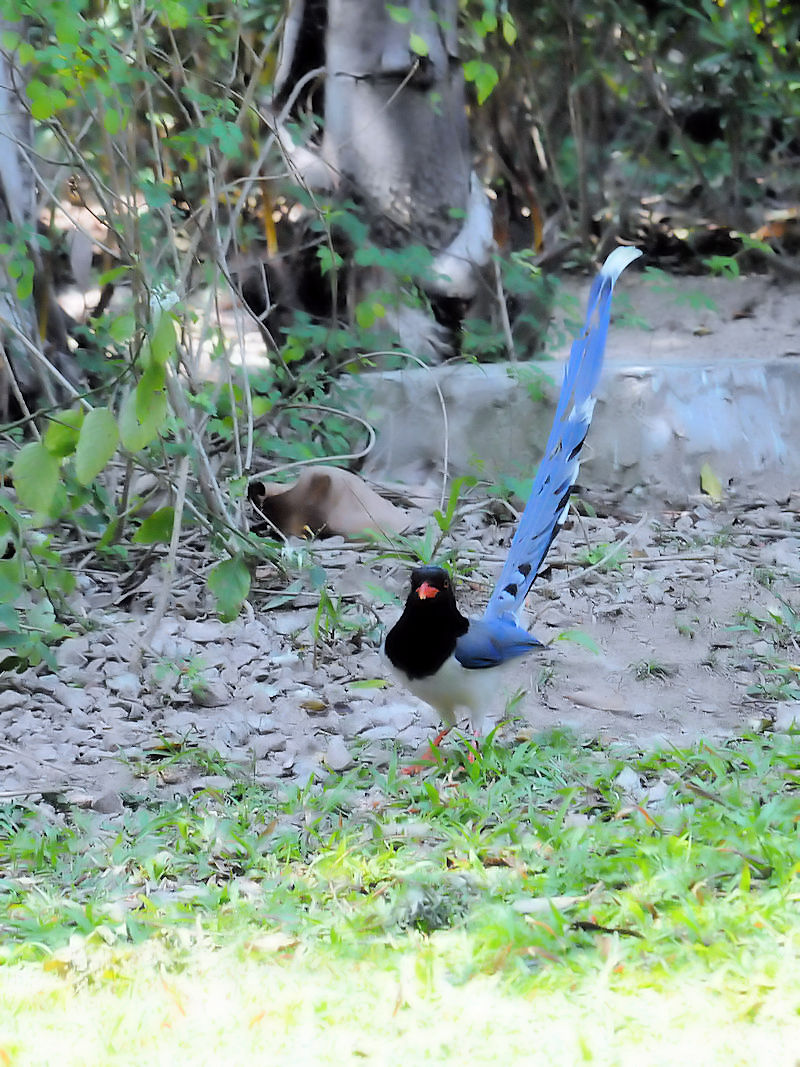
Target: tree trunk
<point x="17" y="210"/>
<point x="395" y="141"/>
<point x="34" y="356"/>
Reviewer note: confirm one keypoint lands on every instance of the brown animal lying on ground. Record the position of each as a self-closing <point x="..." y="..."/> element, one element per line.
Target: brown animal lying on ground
<point x="324" y="502"/>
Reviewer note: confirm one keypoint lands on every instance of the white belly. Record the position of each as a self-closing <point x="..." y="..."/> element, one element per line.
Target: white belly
<point x="479" y="693"/>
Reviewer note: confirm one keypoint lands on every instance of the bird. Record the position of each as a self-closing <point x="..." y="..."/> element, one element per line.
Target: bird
<point x="453" y="662"/>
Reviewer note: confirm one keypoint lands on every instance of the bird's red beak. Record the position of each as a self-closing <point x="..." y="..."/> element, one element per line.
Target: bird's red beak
<point x="427" y="591"/>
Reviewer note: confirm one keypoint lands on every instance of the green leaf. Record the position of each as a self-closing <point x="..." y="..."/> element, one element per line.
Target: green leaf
<point x="63" y="430"/>
<point x="418" y="44"/>
<point x="156" y="194"/>
<point x="229" y="581"/>
<point x="175" y="14"/>
<point x="143" y="410"/>
<point x="710" y="483"/>
<point x="26" y="54"/>
<point x="7" y="531"/>
<point x="578" y="637"/>
<point x="36" y="474"/>
<point x="96" y="444"/>
<point x="368" y="683"/>
<point x="483" y="75"/>
<point x="364" y="315"/>
<point x="162" y="343"/>
<point x="328" y="261"/>
<point x="151" y="395"/>
<point x="45" y="100"/>
<point x="398" y="13"/>
<point x="122" y="328"/>
<point x="112" y="121"/>
<point x="11" y="575"/>
<point x="444" y="519"/>
<point x="113" y="275"/>
<point x="156" y="527"/>
<point x="9" y="617"/>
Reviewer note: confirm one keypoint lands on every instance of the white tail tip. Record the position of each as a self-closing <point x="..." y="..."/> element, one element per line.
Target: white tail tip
<point x="618" y="260"/>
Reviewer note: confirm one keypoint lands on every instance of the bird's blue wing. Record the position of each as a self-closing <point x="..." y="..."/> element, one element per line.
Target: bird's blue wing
<point x="490" y="642"/>
<point x="549" y="499"/>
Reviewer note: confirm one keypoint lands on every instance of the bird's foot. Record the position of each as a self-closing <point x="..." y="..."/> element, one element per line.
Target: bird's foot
<point x="474" y="748"/>
<point x="428" y="759"/>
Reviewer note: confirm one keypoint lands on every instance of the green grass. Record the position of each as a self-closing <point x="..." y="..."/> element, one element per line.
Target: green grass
<point x="522" y="906"/>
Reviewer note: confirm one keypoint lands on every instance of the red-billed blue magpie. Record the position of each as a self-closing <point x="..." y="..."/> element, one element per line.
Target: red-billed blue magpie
<point x="453" y="662"/>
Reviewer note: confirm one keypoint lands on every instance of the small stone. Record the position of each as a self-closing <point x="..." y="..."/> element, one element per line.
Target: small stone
<point x="72" y="653"/>
<point x="24" y="726"/>
<point x="286" y="659"/>
<point x="219" y="782"/>
<point x="87" y="756"/>
<point x="203" y="632"/>
<point x="109" y="803"/>
<point x="210" y="695"/>
<point x="629" y="782"/>
<point x="398" y="716"/>
<point x="306" y="767"/>
<point x="48" y="683"/>
<point x="241" y="655"/>
<point x="337" y="756"/>
<point x="238" y="733"/>
<point x="12" y="699"/>
<point x="379" y="733"/>
<point x="74" y="698"/>
<point x="787" y="717"/>
<point x="125" y="684"/>
<point x="262" y="698"/>
<point x="266" y="744"/>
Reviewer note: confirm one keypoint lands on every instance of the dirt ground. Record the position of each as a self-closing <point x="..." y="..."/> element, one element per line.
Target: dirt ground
<point x="664" y="663"/>
<point x="669" y="646"/>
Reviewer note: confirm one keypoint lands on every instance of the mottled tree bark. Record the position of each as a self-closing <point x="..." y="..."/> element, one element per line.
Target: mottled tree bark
<point x="395" y="141"/>
<point x="17" y="210"/>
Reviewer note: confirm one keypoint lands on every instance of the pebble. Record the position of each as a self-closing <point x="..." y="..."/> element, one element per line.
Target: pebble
<point x="72" y="653"/>
<point x="629" y="782"/>
<point x="109" y="803"/>
<point x="204" y="632"/>
<point x="214" y="781"/>
<point x="263" y="698"/>
<point x="12" y="699"/>
<point x="211" y="695"/>
<point x="379" y="733"/>
<point x="24" y="726"/>
<point x="398" y="716"/>
<point x="787" y="716"/>
<point x="337" y="756"/>
<point x="266" y="744"/>
<point x="125" y="684"/>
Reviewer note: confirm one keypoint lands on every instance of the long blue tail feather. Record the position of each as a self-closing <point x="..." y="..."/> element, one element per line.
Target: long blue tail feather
<point x="549" y="500"/>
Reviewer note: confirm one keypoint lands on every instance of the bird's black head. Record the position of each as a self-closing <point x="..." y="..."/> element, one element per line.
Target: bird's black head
<point x="427" y="583"/>
<point x="425" y="635"/>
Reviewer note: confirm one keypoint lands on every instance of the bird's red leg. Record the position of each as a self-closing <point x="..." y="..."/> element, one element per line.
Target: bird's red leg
<point x="471" y="755"/>
<point x="440" y="736"/>
<point x="426" y="760"/>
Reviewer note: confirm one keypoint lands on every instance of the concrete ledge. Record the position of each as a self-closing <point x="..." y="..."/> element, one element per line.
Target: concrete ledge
<point x="654" y="426"/>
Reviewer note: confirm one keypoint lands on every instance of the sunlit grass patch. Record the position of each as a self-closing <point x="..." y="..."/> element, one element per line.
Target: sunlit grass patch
<point x="576" y="897"/>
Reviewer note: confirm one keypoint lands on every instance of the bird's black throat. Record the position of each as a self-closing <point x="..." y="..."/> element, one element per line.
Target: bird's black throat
<point x="425" y="635"/>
